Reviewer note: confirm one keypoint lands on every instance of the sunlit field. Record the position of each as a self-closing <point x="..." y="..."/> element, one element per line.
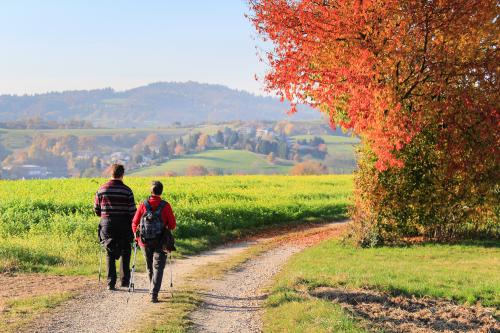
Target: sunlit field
<point x="464" y="273"/>
<point x="49" y="225"/>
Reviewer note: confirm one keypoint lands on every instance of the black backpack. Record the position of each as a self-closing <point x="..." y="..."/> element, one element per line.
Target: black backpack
<point x="151" y="226"/>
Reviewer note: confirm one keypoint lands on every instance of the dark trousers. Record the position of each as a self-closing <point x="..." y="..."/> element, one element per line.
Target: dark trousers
<point x="116" y="235"/>
<point x="111" y="256"/>
<point x="155" y="262"/>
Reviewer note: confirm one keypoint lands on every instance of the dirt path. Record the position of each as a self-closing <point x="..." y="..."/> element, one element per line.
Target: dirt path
<point x="234" y="303"/>
<point x="18" y="286"/>
<point x="98" y="310"/>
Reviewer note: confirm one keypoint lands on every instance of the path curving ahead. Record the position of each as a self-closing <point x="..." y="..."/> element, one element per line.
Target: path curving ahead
<point x="235" y="302"/>
<point x="232" y="304"/>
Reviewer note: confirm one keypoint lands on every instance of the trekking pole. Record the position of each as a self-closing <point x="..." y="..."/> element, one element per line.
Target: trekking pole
<point x="131" y="282"/>
<point x="171" y="283"/>
<point x="100" y="264"/>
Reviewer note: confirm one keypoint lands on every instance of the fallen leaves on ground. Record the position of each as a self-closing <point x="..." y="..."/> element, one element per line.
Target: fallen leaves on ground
<point x="412" y="314"/>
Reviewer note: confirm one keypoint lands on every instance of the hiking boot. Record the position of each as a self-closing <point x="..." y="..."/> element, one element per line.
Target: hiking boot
<point x="125" y="285"/>
<point x="111" y="288"/>
<point x="154" y="298"/>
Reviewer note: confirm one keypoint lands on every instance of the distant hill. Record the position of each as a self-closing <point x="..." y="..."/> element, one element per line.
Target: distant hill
<point x="157" y="104"/>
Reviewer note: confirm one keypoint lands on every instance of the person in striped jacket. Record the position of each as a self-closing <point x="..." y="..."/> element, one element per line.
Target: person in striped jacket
<point x="114" y="203"/>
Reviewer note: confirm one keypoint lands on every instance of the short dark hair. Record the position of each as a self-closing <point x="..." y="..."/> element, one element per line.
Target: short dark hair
<point x="117" y="170"/>
<point x="156" y="187"/>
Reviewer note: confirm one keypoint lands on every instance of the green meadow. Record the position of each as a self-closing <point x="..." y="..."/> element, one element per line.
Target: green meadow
<point x="464" y="273"/>
<point x="49" y="225"/>
<point x="228" y="161"/>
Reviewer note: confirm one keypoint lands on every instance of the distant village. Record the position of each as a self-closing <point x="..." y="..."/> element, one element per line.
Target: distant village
<point x="90" y="156"/>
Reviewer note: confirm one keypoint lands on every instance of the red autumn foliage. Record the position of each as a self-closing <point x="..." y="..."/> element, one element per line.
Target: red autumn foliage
<point x="418" y="82"/>
<point x="196" y="170"/>
<point x="389" y="68"/>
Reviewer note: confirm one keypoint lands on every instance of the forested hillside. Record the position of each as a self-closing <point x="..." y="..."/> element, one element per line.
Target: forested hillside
<point x="157" y="104"/>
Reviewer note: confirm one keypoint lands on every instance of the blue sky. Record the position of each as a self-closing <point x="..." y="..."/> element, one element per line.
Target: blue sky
<point x="54" y="45"/>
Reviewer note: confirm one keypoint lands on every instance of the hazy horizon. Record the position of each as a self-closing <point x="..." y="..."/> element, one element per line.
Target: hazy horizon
<point x="86" y="45"/>
<point x="261" y="94"/>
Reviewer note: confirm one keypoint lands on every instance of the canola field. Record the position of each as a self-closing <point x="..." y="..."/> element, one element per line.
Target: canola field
<point x="49" y="225"/>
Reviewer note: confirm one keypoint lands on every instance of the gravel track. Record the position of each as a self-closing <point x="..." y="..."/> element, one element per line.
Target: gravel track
<point x="99" y="310"/>
<point x="234" y="304"/>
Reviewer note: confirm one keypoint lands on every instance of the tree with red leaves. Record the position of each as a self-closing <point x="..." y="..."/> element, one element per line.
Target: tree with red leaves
<point x="414" y="79"/>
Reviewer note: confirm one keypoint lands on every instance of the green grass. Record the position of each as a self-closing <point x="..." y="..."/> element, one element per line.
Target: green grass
<point x="314" y="316"/>
<point x="15" y="140"/>
<point x="172" y="315"/>
<point x="92" y="131"/>
<point x="21" y="311"/>
<point x="18" y="139"/>
<point x="466" y="273"/>
<point x="230" y="161"/>
<point x="49" y="226"/>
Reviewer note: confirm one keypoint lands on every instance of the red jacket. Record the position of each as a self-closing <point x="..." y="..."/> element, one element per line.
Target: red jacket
<point x="167" y="215"/>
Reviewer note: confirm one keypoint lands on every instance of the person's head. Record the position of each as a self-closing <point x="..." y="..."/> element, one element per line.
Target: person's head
<point x="117" y="171"/>
<point x="156" y="187"/>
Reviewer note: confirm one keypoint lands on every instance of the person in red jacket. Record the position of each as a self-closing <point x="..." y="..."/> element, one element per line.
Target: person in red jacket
<point x="155" y="256"/>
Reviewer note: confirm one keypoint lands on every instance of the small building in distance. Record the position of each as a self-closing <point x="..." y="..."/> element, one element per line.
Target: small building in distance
<point x="265" y="132"/>
<point x="25" y="171"/>
<point x="119" y="157"/>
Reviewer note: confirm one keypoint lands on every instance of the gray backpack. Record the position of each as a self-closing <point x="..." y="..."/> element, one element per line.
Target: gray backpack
<point x="151" y="226"/>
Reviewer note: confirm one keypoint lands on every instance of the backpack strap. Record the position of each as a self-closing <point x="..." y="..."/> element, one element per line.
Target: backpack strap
<point x="149" y="209"/>
<point x="158" y="210"/>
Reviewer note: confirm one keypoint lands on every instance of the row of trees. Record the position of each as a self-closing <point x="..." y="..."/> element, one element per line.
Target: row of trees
<point x="39" y="123"/>
<point x="314" y="147"/>
<point x="279" y="146"/>
<point x="59" y="154"/>
<point x="300" y="169"/>
<point x="154" y="147"/>
<point x="418" y="82"/>
<point x="71" y="155"/>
